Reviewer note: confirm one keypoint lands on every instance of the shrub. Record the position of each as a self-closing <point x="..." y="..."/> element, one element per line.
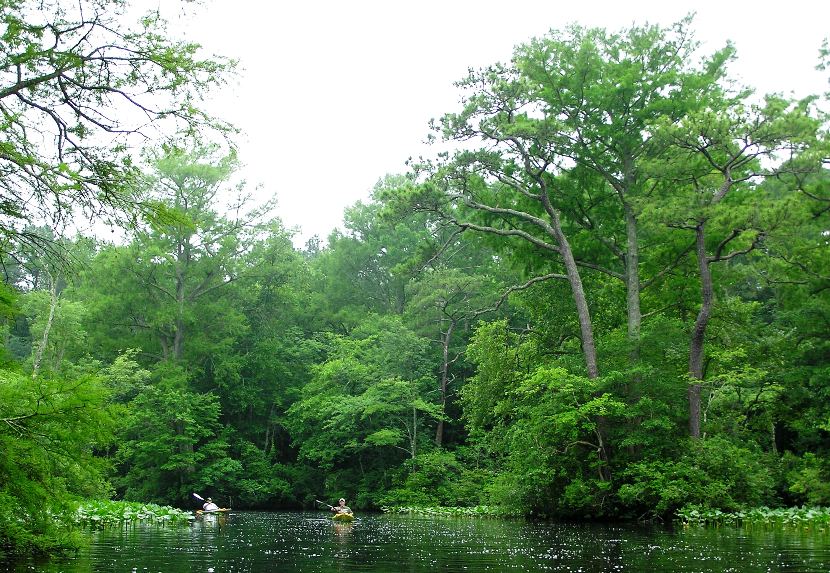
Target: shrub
<point x="808" y="479"/>
<point x="435" y="478"/>
<point x="713" y="473"/>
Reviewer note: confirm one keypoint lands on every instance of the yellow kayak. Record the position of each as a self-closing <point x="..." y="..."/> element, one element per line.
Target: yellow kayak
<point x="343" y="517"/>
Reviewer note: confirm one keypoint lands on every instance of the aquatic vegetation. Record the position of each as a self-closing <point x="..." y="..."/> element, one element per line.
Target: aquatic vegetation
<point x="104" y="513"/>
<point x="817" y="518"/>
<point x="438" y="511"/>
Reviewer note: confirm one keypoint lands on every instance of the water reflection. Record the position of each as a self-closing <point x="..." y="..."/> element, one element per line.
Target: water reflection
<point x="342" y="536"/>
<point x="210" y="521"/>
<point x="312" y="542"/>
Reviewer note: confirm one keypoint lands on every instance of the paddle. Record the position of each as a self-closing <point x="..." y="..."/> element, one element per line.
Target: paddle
<point x="318" y="501"/>
<point x="197" y="496"/>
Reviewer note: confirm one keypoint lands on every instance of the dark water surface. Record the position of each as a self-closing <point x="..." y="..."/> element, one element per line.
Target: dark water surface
<point x="310" y="542"/>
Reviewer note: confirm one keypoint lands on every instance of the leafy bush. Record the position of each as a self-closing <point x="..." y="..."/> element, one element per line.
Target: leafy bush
<point x="808" y="479"/>
<point x="26" y="531"/>
<point x="713" y="473"/>
<point x="50" y="429"/>
<point x="435" y="478"/>
<point x="259" y="480"/>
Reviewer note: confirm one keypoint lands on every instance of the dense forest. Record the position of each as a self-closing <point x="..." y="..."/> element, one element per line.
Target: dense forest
<point x="606" y="296"/>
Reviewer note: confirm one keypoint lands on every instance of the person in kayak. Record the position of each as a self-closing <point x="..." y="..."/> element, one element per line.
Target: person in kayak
<point x="341" y="507"/>
<point x="209" y="505"/>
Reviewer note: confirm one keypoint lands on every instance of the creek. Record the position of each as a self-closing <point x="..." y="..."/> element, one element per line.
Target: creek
<point x="252" y="542"/>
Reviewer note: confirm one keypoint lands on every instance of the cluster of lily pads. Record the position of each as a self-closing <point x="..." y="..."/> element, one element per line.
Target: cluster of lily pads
<point x="817" y="518"/>
<point x="476" y="511"/>
<point x="104" y="513"/>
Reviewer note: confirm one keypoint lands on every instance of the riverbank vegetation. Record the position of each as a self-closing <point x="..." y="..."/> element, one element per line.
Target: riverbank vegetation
<point x="103" y="513"/>
<point x="609" y="301"/>
<point x="810" y="518"/>
<point x="440" y="511"/>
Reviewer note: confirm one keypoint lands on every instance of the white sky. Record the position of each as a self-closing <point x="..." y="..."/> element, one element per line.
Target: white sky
<point x="335" y="94"/>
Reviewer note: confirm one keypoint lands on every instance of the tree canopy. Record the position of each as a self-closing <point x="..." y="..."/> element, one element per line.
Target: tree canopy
<point x="81" y="88"/>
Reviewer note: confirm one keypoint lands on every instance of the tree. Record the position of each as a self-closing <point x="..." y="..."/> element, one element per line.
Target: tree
<point x="174" y="267"/>
<point x="600" y="94"/>
<point x="556" y="142"/>
<point x="56" y="326"/>
<point x="366" y="406"/>
<point x="442" y="301"/>
<point x="272" y="358"/>
<point x="166" y="436"/>
<point x="42" y="271"/>
<point x="542" y="423"/>
<point x="790" y="281"/>
<point x="722" y="155"/>
<point x="367" y="267"/>
<point x="79" y="88"/>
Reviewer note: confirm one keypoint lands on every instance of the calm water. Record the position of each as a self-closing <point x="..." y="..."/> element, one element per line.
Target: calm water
<point x="310" y="542"/>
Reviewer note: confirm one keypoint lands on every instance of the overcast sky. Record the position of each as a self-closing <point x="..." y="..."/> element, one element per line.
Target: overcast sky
<point x="333" y="95"/>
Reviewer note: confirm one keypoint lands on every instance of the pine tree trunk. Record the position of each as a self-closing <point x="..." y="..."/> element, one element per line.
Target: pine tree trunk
<point x="699" y="332"/>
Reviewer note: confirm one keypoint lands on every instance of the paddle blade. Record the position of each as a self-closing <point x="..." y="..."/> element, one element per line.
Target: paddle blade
<point x="199" y="497"/>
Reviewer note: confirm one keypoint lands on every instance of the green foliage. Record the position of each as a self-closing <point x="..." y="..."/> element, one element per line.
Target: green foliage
<point x="545" y="425"/>
<point x="713" y="473"/>
<point x="817" y="518"/>
<point x="367" y="401"/>
<point x="40" y="532"/>
<point x="94" y="85"/>
<point x="103" y="513"/>
<point x="367" y="268"/>
<point x="50" y="430"/>
<point x="8" y="299"/>
<point x="171" y="445"/>
<point x="498" y="354"/>
<point x="808" y="479"/>
<point x="435" y="478"/>
<point x="258" y="479"/>
<point x="66" y="338"/>
<point x="125" y="377"/>
<point x="174" y="279"/>
<point x="227" y="362"/>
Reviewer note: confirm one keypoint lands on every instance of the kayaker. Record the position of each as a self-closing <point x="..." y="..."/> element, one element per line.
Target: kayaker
<point x="209" y="505"/>
<point x="341" y="507"/>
